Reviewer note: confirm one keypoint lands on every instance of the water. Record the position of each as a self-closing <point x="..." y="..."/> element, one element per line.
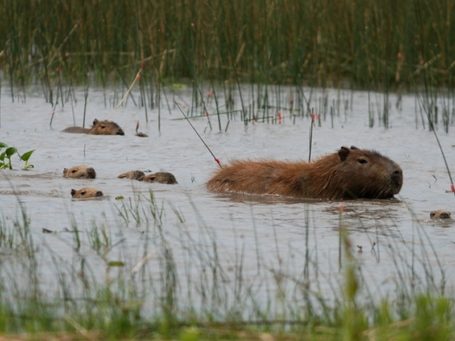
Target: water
<point x="218" y="242"/>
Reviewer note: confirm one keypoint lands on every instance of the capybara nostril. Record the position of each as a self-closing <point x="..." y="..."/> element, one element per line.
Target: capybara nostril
<point x="99" y="193"/>
<point x="120" y="132"/>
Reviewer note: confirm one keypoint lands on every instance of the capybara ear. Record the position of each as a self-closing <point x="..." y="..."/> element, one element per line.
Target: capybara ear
<point x="73" y="192"/>
<point x="343" y="153"/>
<point x="95" y="121"/>
<point x="354" y="147"/>
<point x="65" y="170"/>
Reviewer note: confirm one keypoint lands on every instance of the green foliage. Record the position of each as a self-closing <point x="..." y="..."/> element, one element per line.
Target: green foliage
<point x="261" y="41"/>
<point x="7" y="153"/>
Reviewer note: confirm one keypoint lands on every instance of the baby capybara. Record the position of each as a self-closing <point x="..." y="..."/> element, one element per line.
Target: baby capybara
<point x="104" y="127"/>
<point x="161" y="177"/>
<point x="440" y="214"/>
<point x="132" y="175"/>
<point x="85" y="193"/>
<point x="350" y="173"/>
<point x="79" y="172"/>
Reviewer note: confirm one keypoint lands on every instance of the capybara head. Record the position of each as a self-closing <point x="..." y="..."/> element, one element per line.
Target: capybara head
<point x="79" y="172"/>
<point x="85" y="193"/>
<point x="105" y="127"/>
<point x="361" y="173"/>
<point x="133" y="175"/>
<point x="440" y="214"/>
<point x="161" y="177"/>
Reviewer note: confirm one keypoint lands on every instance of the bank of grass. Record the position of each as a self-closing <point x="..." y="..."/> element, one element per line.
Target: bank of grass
<point x="374" y="44"/>
<point x="95" y="295"/>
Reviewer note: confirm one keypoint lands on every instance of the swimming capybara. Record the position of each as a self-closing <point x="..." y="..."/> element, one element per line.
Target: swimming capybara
<point x="350" y="173"/>
<point x="85" y="193"/>
<point x="104" y="127"/>
<point x="79" y="172"/>
<point x="161" y="177"/>
<point x="440" y="214"/>
<point x="133" y="175"/>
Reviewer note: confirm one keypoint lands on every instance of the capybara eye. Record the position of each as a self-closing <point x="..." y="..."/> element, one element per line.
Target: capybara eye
<point x="83" y="193"/>
<point x="73" y="171"/>
<point x="362" y="160"/>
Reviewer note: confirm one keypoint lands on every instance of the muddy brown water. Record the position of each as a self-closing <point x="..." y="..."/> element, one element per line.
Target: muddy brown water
<point x="261" y="235"/>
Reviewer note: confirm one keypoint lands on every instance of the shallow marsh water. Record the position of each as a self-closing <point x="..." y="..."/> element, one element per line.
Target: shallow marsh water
<point x="267" y="243"/>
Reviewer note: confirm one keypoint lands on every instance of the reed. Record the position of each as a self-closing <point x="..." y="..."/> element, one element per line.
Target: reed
<point x="288" y="41"/>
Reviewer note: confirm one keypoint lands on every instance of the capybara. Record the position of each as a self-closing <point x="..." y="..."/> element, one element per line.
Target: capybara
<point x="85" y="193"/>
<point x="161" y="177"/>
<point x="79" y="172"/>
<point x="440" y="214"/>
<point x="350" y="173"/>
<point x="133" y="175"/>
<point x="104" y="127"/>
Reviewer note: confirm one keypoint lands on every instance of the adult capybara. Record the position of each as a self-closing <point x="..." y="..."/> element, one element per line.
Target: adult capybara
<point x="161" y="177"/>
<point x="133" y="175"/>
<point x="350" y="173"/>
<point x="104" y="127"/>
<point x="79" y="172"/>
<point x="85" y="193"/>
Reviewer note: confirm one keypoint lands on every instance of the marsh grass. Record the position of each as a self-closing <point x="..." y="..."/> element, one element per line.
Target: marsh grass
<point x="320" y="43"/>
<point x="178" y="284"/>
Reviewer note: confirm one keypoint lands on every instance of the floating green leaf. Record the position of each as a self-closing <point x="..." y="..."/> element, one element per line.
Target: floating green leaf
<point x="10" y="151"/>
<point x="26" y="156"/>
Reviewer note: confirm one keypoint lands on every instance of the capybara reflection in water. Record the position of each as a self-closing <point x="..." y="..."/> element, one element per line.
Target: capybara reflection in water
<point x="104" y="127"/>
<point x="85" y="193"/>
<point x="160" y="177"/>
<point x="79" y="172"/>
<point x="349" y="173"/>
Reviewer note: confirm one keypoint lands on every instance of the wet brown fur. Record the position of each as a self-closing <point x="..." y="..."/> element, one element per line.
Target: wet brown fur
<point x="133" y="175"/>
<point x="79" y="172"/>
<point x="103" y="127"/>
<point x="161" y="177"/>
<point x="348" y="174"/>
<point x="86" y="192"/>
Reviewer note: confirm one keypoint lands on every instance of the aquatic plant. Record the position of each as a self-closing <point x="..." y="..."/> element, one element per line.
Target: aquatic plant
<point x="7" y="153"/>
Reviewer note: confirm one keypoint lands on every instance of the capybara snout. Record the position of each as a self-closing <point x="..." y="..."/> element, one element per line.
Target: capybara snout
<point x="350" y="173"/>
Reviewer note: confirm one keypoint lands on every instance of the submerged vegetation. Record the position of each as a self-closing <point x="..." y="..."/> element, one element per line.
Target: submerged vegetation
<point x="362" y="43"/>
